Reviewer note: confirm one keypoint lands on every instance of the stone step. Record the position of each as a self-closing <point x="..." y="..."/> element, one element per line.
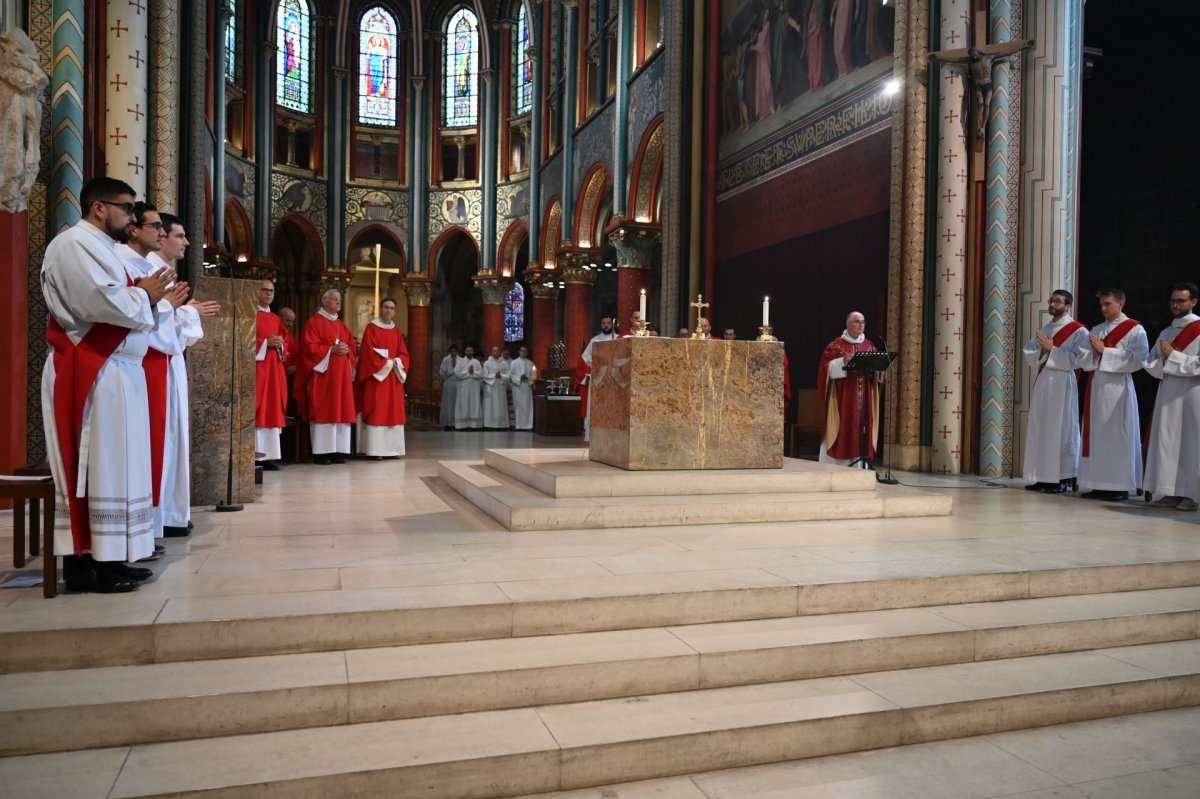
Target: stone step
<point x="110" y="706"/>
<point x="563" y="473"/>
<point x="520" y="507"/>
<point x="132" y="629"/>
<point x="560" y="747"/>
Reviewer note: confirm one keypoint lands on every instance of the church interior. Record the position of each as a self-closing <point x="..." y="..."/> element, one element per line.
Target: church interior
<point x="513" y="613"/>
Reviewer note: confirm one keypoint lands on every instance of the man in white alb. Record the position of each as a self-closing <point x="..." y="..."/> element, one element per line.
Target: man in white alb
<point x="495" y="394"/>
<point x="468" y="407"/>
<point x="1173" y="457"/>
<point x="449" y="388"/>
<point x="1110" y="463"/>
<point x="606" y="334"/>
<point x="521" y="375"/>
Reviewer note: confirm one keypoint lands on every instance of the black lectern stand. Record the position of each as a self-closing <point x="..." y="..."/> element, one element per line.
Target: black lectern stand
<point x="868" y="364"/>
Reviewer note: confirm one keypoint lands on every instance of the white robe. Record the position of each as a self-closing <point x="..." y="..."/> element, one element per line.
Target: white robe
<point x="1052" y="437"/>
<point x="522" y="392"/>
<point x="468" y="410"/>
<point x="1114" y="459"/>
<point x="495" y="395"/>
<point x="84" y="283"/>
<point x="1173" y="457"/>
<point x="449" y="391"/>
<point x="587" y="358"/>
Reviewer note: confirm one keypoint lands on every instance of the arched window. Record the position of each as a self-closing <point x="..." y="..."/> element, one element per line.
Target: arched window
<point x="294" y="68"/>
<point x="522" y="76"/>
<point x="378" y="43"/>
<point x="233" y="52"/>
<point x="460" y="95"/>
<point x="514" y="314"/>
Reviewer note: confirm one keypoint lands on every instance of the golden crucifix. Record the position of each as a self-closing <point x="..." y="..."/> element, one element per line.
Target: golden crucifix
<point x="376" y="268"/>
<point x="699" y="305"/>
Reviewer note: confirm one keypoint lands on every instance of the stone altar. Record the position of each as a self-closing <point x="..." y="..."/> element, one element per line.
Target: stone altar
<point x="664" y="403"/>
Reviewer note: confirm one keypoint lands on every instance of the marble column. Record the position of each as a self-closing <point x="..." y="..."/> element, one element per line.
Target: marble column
<point x="488" y="142"/>
<point x="418" y="134"/>
<point x="570" y="112"/>
<point x="625" y="12"/>
<point x="163" y="190"/>
<point x="533" y="220"/>
<point x="679" y="280"/>
<point x="217" y="168"/>
<point x="335" y="164"/>
<point x="418" y="294"/>
<point x="66" y="115"/>
<point x="577" y="321"/>
<point x="493" y="290"/>
<point x="543" y="298"/>
<point x="127" y="95"/>
<point x="264" y="124"/>
<point x="1049" y="175"/>
<point x="1002" y="242"/>
<point x="635" y="245"/>
<point x="950" y="226"/>
<point x="906" y="249"/>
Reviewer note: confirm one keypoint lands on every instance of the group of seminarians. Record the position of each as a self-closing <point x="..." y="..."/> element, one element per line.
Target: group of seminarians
<point x="114" y="387"/>
<point x="1105" y="452"/>
<point x="336" y="381"/>
<point x="475" y="394"/>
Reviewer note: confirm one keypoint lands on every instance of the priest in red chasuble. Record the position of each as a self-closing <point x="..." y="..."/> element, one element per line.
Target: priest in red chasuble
<point x="379" y="386"/>
<point x="270" y="386"/>
<point x="849" y="399"/>
<point x="324" y="387"/>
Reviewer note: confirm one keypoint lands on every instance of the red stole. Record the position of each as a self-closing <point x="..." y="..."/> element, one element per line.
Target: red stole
<point x="1060" y="338"/>
<point x="1111" y="340"/>
<point x="155" y="365"/>
<point x="1186" y="336"/>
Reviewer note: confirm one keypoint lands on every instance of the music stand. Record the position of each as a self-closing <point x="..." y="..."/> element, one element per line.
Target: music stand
<point x="869" y="363"/>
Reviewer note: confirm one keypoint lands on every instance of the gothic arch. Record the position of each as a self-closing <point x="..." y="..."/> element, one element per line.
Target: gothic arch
<point x="646" y="178"/>
<point x="435" y="249"/>
<point x="238" y="231"/>
<point x="510" y="246"/>
<point x="349" y="15"/>
<point x="381" y="231"/>
<point x="591" y="194"/>
<point x="551" y="233"/>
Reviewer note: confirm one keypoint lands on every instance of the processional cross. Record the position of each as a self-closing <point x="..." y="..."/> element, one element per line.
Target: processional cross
<point x="699" y="305"/>
<point x="376" y="268"/>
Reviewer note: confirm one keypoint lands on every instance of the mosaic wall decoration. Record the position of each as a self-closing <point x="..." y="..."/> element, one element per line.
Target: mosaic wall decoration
<point x="376" y="205"/>
<point x="307" y="198"/>
<point x="551" y="178"/>
<point x="240" y="182"/>
<point x="595" y="142"/>
<point x="512" y="203"/>
<point x="647" y="99"/>
<point x="462" y="208"/>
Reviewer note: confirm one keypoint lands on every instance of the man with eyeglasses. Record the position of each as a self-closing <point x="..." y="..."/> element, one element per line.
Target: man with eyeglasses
<point x="1173" y="457"/>
<point x="94" y="403"/>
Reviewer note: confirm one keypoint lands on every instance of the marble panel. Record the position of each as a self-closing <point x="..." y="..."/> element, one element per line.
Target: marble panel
<point x="221" y="378"/>
<point x="661" y="403"/>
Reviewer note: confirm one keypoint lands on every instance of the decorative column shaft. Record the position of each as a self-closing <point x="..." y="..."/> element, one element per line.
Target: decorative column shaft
<point x="493" y="290"/>
<point x="534" y="217"/>
<point x="487" y="164"/>
<point x="335" y="163"/>
<point x="418" y="293"/>
<point x="66" y="115"/>
<point x="418" y="181"/>
<point x="199" y="143"/>
<point x="625" y="14"/>
<point x="264" y="131"/>
<point x="635" y="257"/>
<point x="127" y="96"/>
<point x="217" y="174"/>
<point x="577" y="322"/>
<point x="164" y="105"/>
<point x="543" y="299"/>
<point x="569" y="112"/>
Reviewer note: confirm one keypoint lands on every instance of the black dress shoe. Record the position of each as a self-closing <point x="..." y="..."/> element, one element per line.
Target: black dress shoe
<point x="80" y="574"/>
<point x="1055" y="488"/>
<point x="1095" y="495"/>
<point x="175" y="532"/>
<point x="1036" y="486"/>
<point x="321" y="460"/>
<point x="124" y="570"/>
<point x="337" y="458"/>
<point x="269" y="466"/>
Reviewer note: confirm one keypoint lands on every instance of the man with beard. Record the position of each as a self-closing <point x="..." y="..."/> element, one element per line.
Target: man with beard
<point x="583" y="372"/>
<point x="1173" y="457"/>
<point x="94" y="404"/>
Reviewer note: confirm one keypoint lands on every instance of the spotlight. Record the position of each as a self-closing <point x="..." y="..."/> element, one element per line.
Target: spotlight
<point x="892" y="87"/>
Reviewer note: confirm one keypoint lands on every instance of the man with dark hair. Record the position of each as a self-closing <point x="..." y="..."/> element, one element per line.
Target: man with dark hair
<point x="1173" y="457"/>
<point x="94" y="404"/>
<point x="1052" y="437"/>
<point x="730" y="334"/>
<point x="1110" y="466"/>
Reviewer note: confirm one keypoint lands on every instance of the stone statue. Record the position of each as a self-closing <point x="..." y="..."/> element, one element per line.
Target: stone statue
<point x="979" y="62"/>
<point x="22" y="82"/>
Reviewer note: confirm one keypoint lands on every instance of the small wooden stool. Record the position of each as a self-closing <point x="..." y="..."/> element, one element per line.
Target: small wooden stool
<point x="35" y="492"/>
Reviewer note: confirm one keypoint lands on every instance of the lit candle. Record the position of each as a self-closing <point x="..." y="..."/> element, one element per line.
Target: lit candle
<point x="766" y="312"/>
<point x="642" y="307"/>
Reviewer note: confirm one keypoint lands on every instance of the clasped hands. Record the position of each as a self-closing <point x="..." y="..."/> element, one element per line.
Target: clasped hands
<point x="340" y="349"/>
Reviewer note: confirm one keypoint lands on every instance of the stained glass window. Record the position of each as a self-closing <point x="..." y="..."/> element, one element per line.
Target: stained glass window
<point x="377" y="46"/>
<point x="233" y="60"/>
<point x="460" y="97"/>
<point x="514" y="314"/>
<point x="294" y="42"/>
<point x="522" y="83"/>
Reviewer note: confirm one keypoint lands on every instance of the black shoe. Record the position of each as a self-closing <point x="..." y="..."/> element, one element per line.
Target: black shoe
<point x="375" y="457"/>
<point x="1037" y="486"/>
<point x="337" y="458"/>
<point x="1102" y="495"/>
<point x="321" y="460"/>
<point x="268" y="466"/>
<point x="175" y="532"/>
<point x="1055" y="488"/>
<point x="124" y="570"/>
<point x="80" y="574"/>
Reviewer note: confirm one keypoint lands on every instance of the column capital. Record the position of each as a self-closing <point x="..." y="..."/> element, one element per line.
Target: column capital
<point x="417" y="81"/>
<point x="543" y="283"/>
<point x="418" y="292"/>
<point x="493" y="288"/>
<point x="571" y="5"/>
<point x="634" y="242"/>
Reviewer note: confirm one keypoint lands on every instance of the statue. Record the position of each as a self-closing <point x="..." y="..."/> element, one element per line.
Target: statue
<point x="22" y="82"/>
<point x="979" y="62"/>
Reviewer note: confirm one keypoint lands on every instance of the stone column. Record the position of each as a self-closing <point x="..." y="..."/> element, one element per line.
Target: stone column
<point x="625" y="13"/>
<point x="570" y="112"/>
<point x="635" y="257"/>
<point x="66" y="115"/>
<point x="163" y="190"/>
<point x="578" y="311"/>
<point x="906" y="250"/>
<point x="419" y="179"/>
<point x="1049" y="175"/>
<point x="335" y="164"/>
<point x="127" y="96"/>
<point x="217" y="168"/>
<point x="543" y="297"/>
<point x="418" y="293"/>
<point x="493" y="290"/>
<point x="199" y="147"/>
<point x="534" y="218"/>
<point x="264" y="131"/>
<point x="488" y="141"/>
<point x="950" y="283"/>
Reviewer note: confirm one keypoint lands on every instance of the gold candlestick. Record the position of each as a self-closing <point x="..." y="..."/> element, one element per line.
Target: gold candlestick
<point x="764" y="334"/>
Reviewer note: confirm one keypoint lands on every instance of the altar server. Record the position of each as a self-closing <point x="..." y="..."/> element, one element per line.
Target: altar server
<point x="382" y="371"/>
<point x="1173" y="457"/>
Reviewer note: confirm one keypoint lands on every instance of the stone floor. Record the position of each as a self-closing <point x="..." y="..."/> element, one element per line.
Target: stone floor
<point x="372" y="534"/>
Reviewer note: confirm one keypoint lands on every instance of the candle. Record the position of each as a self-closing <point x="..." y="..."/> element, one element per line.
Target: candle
<point x="642" y="307"/>
<point x="766" y="312"/>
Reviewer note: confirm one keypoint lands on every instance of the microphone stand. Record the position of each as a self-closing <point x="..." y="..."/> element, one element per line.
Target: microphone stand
<point x="887" y="478"/>
<point x="229" y="506"/>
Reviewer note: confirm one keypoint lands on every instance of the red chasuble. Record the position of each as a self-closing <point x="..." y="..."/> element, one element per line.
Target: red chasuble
<point x="270" y="388"/>
<point x="381" y="402"/>
<point x="328" y="397"/>
<point x="850" y="404"/>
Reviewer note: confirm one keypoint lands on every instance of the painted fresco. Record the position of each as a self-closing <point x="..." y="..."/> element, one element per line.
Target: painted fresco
<point x="782" y="59"/>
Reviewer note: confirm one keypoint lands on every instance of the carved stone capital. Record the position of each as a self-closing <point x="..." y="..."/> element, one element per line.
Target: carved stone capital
<point x="418" y="292"/>
<point x="418" y="82"/>
<point x="634" y="243"/>
<point x="493" y="288"/>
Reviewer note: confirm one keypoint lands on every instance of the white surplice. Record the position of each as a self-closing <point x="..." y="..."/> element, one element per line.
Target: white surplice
<point x="449" y="390"/>
<point x="85" y="283"/>
<point x="1173" y="457"/>
<point x="522" y="392"/>
<point x="587" y="358"/>
<point x="378" y="441"/>
<point x="1052" y="437"/>
<point x="1114" y="459"/>
<point x="468" y="410"/>
<point x="495" y="395"/>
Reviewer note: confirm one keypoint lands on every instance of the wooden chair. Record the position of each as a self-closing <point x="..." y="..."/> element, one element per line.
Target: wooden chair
<point x="34" y="492"/>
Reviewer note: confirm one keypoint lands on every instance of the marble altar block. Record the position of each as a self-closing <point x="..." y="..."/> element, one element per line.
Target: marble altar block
<point x="218" y="386"/>
<point x="665" y="403"/>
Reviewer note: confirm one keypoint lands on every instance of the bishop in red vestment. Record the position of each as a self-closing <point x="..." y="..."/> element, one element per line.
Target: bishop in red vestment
<point x="270" y="386"/>
<point x="324" y="389"/>
<point x="849" y="400"/>
<point x="379" y="386"/>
